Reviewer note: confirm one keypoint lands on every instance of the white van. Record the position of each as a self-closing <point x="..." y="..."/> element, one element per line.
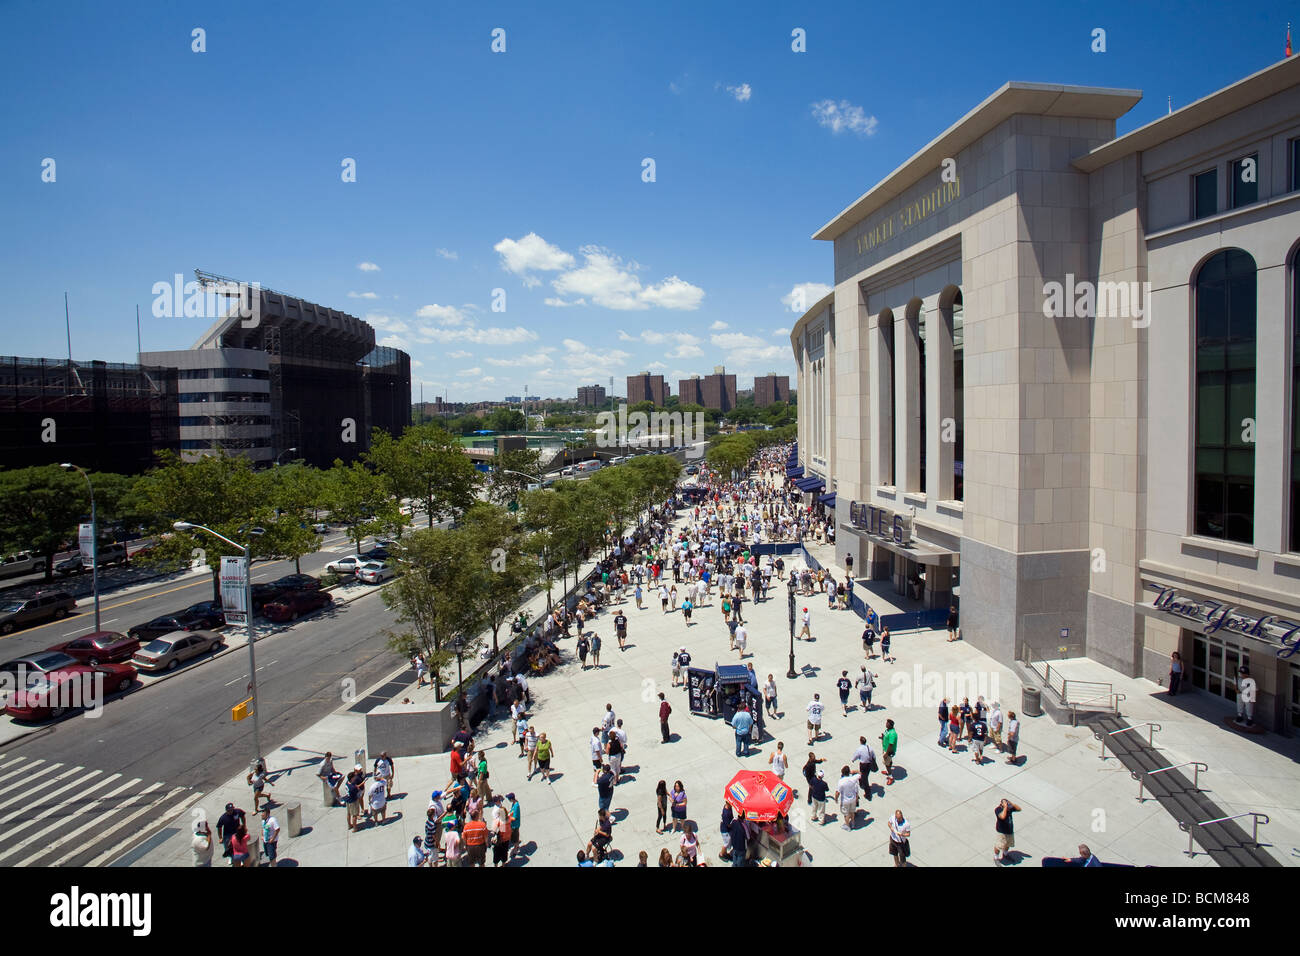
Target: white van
<point x="593" y="465"/>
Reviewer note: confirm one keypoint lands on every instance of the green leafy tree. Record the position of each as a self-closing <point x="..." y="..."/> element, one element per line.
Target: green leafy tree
<point x="542" y="515"/>
<point x="295" y="492"/>
<point x="509" y="480"/>
<point x="429" y="465"/>
<point x="434" y="600"/>
<point x="505" y="568"/>
<point x="360" y="501"/>
<point x="40" y="508"/>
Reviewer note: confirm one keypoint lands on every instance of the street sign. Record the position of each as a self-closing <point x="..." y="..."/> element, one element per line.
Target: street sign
<point x="233" y="577"/>
<point x="86" y="541"/>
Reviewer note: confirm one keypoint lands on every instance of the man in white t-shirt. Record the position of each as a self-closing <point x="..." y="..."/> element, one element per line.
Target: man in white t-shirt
<point x="270" y="836"/>
<point x="807" y="624"/>
<point x="740" y="637"/>
<point x="1246" y="694"/>
<point x="814" y="708"/>
<point x="201" y="845"/>
<point x="847" y="790"/>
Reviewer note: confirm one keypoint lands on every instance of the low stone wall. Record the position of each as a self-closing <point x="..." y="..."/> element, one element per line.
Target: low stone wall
<point x="409" y="730"/>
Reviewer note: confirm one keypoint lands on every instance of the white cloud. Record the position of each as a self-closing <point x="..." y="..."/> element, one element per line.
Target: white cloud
<point x="841" y="116"/>
<point x="741" y="92"/>
<point x="444" y="314"/>
<point x="780" y="331"/>
<point x="395" y="342"/>
<point x="806" y="295"/>
<point x="685" y="351"/>
<point x="469" y="372"/>
<point x="735" y="340"/>
<point x="386" y="322"/>
<point x="476" y="336"/>
<point x="673" y="293"/>
<point x="604" y="279"/>
<point x="531" y="253"/>
<point x="718" y="326"/>
<point x="655" y="365"/>
<point x="561" y="303"/>
<point x="362" y="295"/>
<point x="540" y="357"/>
<point x="448" y="254"/>
<point x="367" y="267"/>
<point x="459" y="354"/>
<point x="592" y="361"/>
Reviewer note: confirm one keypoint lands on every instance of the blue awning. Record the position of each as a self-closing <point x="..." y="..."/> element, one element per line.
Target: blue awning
<point x="811" y="483"/>
<point x="793" y="474"/>
<point x="827" y="500"/>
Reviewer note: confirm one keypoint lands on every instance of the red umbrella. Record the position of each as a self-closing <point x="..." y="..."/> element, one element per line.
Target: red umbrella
<point x="759" y="794"/>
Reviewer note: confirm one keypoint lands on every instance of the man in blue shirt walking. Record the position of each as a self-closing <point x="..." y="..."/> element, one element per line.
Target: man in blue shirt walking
<point x="742" y="723"/>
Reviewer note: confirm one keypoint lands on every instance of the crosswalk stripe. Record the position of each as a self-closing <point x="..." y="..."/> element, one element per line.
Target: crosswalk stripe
<point x="14" y="773"/>
<point x="94" y="821"/>
<point x="82" y="829"/>
<point x="28" y="841"/>
<point x="21" y="784"/>
<point x="27" y="808"/>
<point x="112" y="852"/>
<point x="139" y="813"/>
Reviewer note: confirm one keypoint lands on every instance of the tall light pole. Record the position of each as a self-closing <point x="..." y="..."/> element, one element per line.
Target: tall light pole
<point x="283" y="453"/>
<point x="94" y="538"/>
<point x="248" y="621"/>
<point x="790" y="674"/>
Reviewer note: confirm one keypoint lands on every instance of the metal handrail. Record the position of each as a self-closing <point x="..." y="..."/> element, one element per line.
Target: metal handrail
<point x="1140" y="775"/>
<point x="1111" y="696"/>
<point x="1254" y="835"/>
<point x="1150" y="735"/>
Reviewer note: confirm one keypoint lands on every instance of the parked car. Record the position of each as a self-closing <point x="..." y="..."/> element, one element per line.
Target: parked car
<point x="374" y="572"/>
<point x="165" y="625"/>
<point x="210" y="613"/>
<point x="108" y="554"/>
<point x="263" y="594"/>
<point x="294" y="604"/>
<point x="24" y="562"/>
<point x="169" y="651"/>
<point x="42" y="606"/>
<point x="100" y="647"/>
<point x="376" y="554"/>
<point x="320" y="527"/>
<point x="692" y="470"/>
<point x="568" y="471"/>
<point x="41" y="662"/>
<point x="346" y="565"/>
<point x="297" y="582"/>
<point x="48" y="695"/>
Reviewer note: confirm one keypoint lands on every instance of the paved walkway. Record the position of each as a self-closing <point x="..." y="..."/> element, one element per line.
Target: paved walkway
<point x="1067" y="794"/>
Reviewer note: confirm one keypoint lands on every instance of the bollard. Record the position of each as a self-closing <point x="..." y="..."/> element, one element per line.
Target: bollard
<point x="326" y="793"/>
<point x="293" y="819"/>
<point x="359" y="756"/>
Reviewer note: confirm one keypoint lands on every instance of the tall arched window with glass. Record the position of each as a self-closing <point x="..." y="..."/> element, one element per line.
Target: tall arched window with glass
<point x="1225" y="397"/>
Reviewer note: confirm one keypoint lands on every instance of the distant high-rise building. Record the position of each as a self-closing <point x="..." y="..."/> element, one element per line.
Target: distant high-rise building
<point x="689" y="391"/>
<point x="646" y="388"/>
<point x="770" y="389"/>
<point x="592" y="396"/>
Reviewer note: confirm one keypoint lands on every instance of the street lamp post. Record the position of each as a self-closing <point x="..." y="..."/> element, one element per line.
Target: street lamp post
<point x="94" y="538"/>
<point x="283" y="453"/>
<point x="248" y="622"/>
<point x="790" y="594"/>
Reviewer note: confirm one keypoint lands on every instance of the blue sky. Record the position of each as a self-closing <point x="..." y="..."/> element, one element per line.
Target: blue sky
<point x="519" y="171"/>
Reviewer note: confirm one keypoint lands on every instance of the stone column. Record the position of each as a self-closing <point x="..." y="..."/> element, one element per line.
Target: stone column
<point x="907" y="396"/>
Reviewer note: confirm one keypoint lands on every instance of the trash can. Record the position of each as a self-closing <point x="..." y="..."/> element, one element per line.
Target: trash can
<point x="1031" y="702"/>
<point x="293" y="819"/>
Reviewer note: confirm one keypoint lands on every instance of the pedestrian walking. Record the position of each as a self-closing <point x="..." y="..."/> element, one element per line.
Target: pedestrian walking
<point x="690" y="845"/>
<point x="810" y="771"/>
<point x="741" y="638"/>
<point x="885" y="655"/>
<point x="995" y="726"/>
<point x="620" y="629"/>
<point x="596" y="746"/>
<point x="814" y="708"/>
<point x="865" y="758"/>
<point x="543" y="753"/>
<point x="614" y="754"/>
<point x="516" y="818"/>
<point x="1175" y="672"/>
<point x="818" y="790"/>
<point x="1013" y="736"/>
<point x="979" y="734"/>
<point x="742" y="722"/>
<point x="869" y="641"/>
<point x="889" y="748"/>
<point x="352" y="796"/>
<point x="421" y="670"/>
<point x="378" y="801"/>
<point x="847" y="791"/>
<point x="1004" y="830"/>
<point x="844" y="685"/>
<point x="866" y="684"/>
<point x="604" y="787"/>
<point x="270" y="836"/>
<point x="481" y="777"/>
<point x="900" y="833"/>
<point x="665" y="709"/>
<point x="804" y="631"/>
<point x="475" y="837"/>
<point x="637" y="594"/>
<point x="595" y="649"/>
<point x="943" y="722"/>
<point x="530" y="749"/>
<point x="677" y="665"/>
<point x="239" y="846"/>
<point x="663" y="598"/>
<point x="687" y="607"/>
<point x="769" y="696"/>
<point x="661" y="806"/>
<point x="258" y="779"/>
<point x="584" y="647"/>
<point x="201" y="845"/>
<point x="778" y="760"/>
<point x="677" y="803"/>
<point x="386" y="770"/>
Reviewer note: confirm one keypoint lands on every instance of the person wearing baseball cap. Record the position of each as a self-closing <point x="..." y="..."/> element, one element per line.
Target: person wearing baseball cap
<point x="818" y="790"/>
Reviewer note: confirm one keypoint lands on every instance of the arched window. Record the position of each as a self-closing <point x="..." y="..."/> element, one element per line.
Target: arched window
<point x="1225" y="397"/>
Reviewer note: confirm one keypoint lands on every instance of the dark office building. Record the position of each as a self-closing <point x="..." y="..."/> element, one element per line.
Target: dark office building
<point x="710" y="391"/>
<point x="592" y="396"/>
<point x="103" y="416"/>
<point x="770" y="389"/>
<point x="646" y="388"/>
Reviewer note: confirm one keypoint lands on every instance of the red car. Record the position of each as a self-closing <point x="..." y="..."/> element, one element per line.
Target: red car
<point x="56" y="692"/>
<point x="294" y="604"/>
<point x="99" y="647"/>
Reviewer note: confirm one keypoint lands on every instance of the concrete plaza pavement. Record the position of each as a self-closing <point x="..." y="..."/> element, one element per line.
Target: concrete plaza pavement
<point x="1068" y="795"/>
